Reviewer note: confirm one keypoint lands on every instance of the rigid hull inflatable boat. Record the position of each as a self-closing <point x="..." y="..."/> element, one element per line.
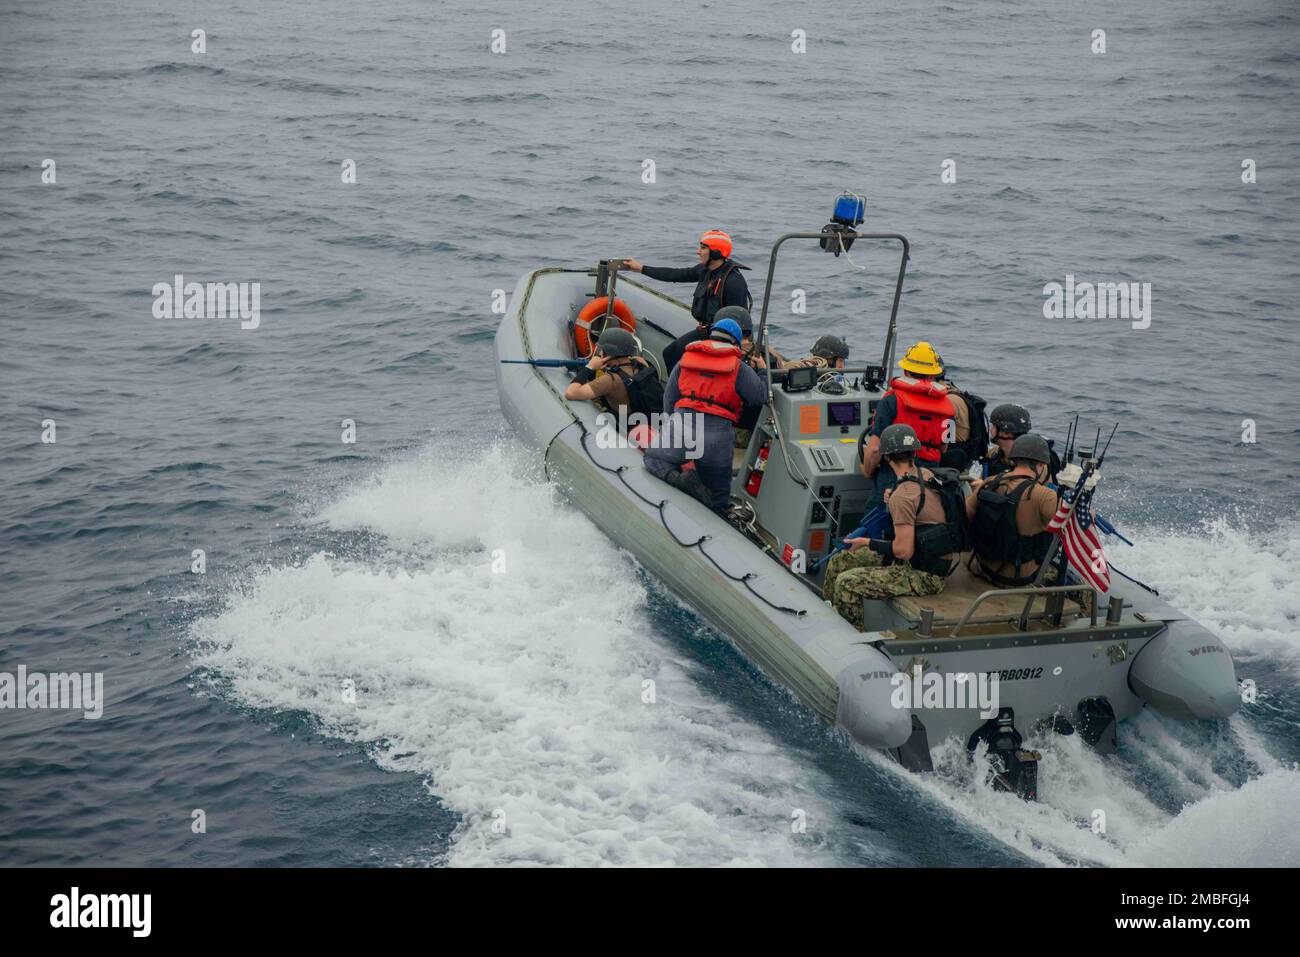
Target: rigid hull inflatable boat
<point x="1066" y="657"/>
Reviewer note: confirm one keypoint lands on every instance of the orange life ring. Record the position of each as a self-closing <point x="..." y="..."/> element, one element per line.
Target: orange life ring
<point x="592" y="315"/>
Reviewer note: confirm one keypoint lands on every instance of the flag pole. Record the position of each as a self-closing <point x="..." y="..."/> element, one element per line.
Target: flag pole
<point x="1056" y="543"/>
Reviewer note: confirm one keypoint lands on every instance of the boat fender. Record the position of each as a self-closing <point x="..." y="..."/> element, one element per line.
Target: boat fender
<point x="1186" y="672"/>
<point x="866" y="708"/>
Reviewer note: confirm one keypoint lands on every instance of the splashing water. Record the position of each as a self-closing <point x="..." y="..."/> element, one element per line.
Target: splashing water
<point x="505" y="658"/>
<point x="501" y="648"/>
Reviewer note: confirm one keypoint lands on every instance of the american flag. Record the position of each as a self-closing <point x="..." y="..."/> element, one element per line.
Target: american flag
<point x="1079" y="538"/>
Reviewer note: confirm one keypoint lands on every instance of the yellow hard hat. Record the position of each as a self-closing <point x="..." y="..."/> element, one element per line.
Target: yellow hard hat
<point x="922" y="359"/>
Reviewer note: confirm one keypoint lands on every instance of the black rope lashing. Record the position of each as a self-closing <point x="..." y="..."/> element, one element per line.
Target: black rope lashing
<point x="659" y="507"/>
<point x="1140" y="584"/>
<point x="546" y="469"/>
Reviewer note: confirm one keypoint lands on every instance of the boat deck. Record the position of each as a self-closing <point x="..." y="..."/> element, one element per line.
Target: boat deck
<point x="961" y="590"/>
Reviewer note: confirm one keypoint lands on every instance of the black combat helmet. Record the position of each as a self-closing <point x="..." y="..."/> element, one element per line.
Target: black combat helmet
<point x="830" y="348"/>
<point x="617" y="343"/>
<point x="1033" y="447"/>
<point x="898" y="439"/>
<point x="1010" y="419"/>
<point x="742" y="317"/>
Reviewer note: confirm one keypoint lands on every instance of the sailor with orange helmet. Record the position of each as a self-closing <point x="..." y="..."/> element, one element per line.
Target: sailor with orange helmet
<point x="917" y="399"/>
<point x="718" y="283"/>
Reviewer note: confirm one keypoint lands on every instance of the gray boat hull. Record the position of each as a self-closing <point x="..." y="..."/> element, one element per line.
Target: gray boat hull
<point x="780" y="623"/>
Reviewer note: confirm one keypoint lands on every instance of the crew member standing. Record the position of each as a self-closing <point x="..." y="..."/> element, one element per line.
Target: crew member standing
<point x="718" y="283"/>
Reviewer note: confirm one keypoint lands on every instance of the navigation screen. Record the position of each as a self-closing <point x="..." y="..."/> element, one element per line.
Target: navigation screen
<point x="843" y="413"/>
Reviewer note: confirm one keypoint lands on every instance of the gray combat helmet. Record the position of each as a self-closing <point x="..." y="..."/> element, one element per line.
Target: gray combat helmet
<point x="899" y="439"/>
<point x="1033" y="447"/>
<point x="741" y="315"/>
<point x="831" y="347"/>
<point x="1010" y="418"/>
<point x="617" y="343"/>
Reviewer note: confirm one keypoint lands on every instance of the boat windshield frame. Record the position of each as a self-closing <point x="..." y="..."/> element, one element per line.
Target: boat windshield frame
<point x="887" y="359"/>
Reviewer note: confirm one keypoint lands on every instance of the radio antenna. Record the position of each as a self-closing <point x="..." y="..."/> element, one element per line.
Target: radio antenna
<point x="1103" y="451"/>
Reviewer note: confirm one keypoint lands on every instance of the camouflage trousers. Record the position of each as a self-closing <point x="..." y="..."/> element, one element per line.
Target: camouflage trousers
<point x="853" y="576"/>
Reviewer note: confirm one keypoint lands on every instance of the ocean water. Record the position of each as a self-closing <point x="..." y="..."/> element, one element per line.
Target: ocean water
<point x="497" y="717"/>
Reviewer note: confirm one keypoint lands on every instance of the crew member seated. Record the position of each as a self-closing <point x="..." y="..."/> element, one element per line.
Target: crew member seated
<point x="1009" y="514"/>
<point x="969" y="439"/>
<point x="752" y="357"/>
<point x="629" y="383"/>
<point x="1007" y="423"/>
<point x="926" y="543"/>
<point x="828" y="352"/>
<point x="713" y="383"/>
<point x="916" y="400"/>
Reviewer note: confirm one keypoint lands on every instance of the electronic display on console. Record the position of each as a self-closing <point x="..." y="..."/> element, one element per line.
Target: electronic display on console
<point x="843" y="413"/>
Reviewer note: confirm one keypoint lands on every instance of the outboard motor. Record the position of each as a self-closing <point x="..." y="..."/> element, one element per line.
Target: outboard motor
<point x="1186" y="673"/>
<point x="1097" y="724"/>
<point x="1014" y="768"/>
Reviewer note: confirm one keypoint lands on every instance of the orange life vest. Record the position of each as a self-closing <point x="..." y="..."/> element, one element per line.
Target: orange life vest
<point x="924" y="405"/>
<point x="707" y="381"/>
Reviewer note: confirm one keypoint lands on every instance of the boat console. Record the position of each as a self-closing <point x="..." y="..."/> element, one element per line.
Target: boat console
<point x="800" y="471"/>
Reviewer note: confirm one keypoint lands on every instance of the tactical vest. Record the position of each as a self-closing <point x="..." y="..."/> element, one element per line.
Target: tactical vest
<point x="978" y="441"/>
<point x="645" y="393"/>
<point x="995" y="535"/>
<point x="996" y="463"/>
<point x="939" y="543"/>
<point x="709" y="291"/>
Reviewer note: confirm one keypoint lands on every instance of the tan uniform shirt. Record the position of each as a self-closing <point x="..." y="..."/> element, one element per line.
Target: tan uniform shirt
<point x="960" y="417"/>
<point x="1036" y="508"/>
<point x="904" y="499"/>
